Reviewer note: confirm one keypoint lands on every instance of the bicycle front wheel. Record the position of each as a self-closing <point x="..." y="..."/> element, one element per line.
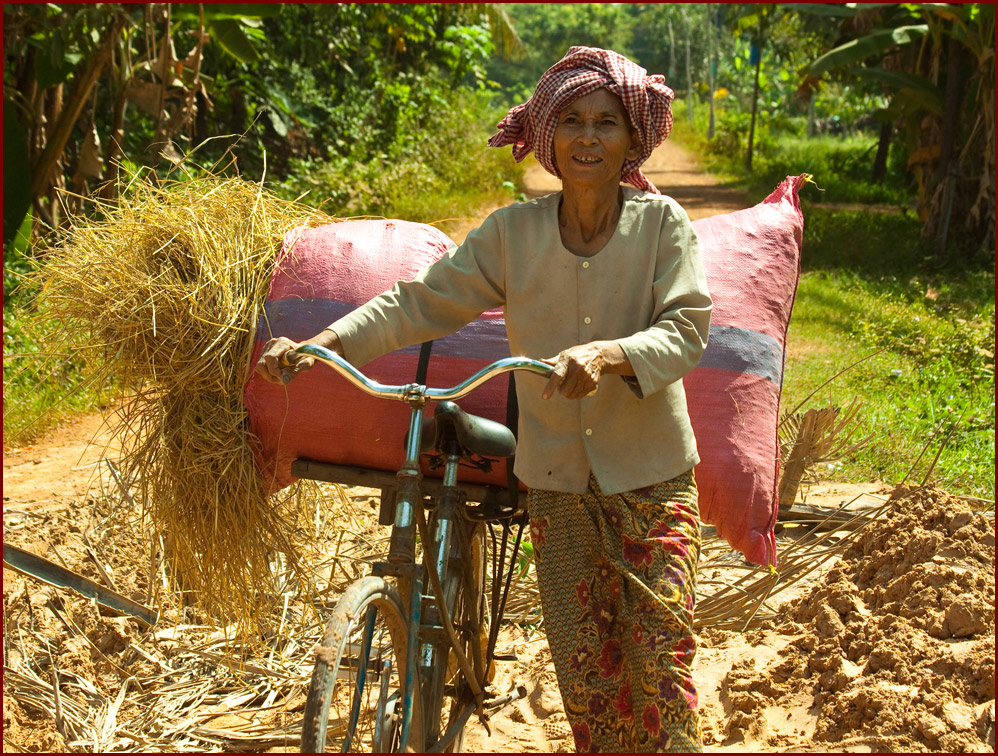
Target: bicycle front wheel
<point x="354" y="700"/>
<point x="448" y="694"/>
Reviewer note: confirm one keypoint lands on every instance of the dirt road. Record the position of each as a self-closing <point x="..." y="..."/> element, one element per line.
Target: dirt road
<point x="675" y="171"/>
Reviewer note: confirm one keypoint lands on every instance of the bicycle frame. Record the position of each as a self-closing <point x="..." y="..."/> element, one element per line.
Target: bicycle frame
<point x="401" y="554"/>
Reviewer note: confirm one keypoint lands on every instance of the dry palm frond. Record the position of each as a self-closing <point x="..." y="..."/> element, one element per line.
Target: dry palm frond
<point x="833" y="433"/>
<point x="162" y="294"/>
<point x="815" y="437"/>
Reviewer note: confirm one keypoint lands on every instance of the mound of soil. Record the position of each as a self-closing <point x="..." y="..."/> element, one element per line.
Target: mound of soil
<point x="893" y="651"/>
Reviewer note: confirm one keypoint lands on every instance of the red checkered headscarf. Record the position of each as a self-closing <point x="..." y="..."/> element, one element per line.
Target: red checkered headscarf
<point x="647" y="99"/>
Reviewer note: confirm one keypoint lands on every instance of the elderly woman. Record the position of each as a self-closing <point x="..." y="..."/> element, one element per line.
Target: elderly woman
<point x="605" y="283"/>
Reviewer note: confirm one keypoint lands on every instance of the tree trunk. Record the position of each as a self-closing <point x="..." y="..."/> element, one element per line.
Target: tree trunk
<point x="755" y="106"/>
<point x="56" y="144"/>
<point x="946" y="170"/>
<point x="711" y="68"/>
<point x="951" y="105"/>
<point x="672" y="53"/>
<point x="689" y="72"/>
<point x="883" y="149"/>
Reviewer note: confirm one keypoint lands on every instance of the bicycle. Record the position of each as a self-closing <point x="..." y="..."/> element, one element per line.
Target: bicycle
<point x="409" y="649"/>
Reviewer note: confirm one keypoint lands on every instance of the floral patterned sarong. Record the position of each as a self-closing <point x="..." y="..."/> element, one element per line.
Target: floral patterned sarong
<point x="617" y="578"/>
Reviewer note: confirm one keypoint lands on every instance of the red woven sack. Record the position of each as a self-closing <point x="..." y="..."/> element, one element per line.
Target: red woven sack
<point x="320" y="275"/>
<point x="752" y="260"/>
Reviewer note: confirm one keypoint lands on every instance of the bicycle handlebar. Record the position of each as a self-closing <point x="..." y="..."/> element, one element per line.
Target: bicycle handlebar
<point x="403" y="393"/>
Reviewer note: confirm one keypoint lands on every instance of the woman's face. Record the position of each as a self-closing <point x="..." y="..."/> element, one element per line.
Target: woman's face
<point x="593" y="140"/>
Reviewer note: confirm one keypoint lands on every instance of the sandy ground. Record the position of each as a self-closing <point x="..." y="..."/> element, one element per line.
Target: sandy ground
<point x="891" y="650"/>
<point x="888" y="649"/>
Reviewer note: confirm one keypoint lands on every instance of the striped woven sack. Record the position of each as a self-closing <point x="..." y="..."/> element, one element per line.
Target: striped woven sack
<point x="320" y="275"/>
<point x="752" y="261"/>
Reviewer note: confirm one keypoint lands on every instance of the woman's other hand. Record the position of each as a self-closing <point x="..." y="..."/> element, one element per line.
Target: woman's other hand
<point x="279" y="363"/>
<point x="577" y="370"/>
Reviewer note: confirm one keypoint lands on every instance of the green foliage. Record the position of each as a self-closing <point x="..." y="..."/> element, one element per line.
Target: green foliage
<point x="549" y="29"/>
<point x="841" y="167"/>
<point x="840" y="164"/>
<point x="877" y="243"/>
<point x="438" y="166"/>
<point x="936" y="62"/>
<point x="273" y="83"/>
<point x="928" y="376"/>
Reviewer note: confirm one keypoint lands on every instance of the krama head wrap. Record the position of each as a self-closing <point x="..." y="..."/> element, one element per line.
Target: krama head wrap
<point x="647" y="99"/>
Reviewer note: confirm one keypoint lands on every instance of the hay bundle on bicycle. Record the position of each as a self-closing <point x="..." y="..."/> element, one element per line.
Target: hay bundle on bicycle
<point x="162" y="293"/>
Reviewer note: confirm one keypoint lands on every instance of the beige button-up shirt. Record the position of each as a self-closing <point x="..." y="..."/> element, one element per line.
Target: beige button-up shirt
<point x="645" y="289"/>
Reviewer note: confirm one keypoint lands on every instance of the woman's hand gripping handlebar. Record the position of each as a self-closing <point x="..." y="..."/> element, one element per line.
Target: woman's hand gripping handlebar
<point x="280" y="361"/>
<point x="405" y="392"/>
<point x="283" y="359"/>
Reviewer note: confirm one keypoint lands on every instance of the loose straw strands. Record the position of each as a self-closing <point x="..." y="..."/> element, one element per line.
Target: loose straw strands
<point x="162" y="294"/>
<point x="749" y="593"/>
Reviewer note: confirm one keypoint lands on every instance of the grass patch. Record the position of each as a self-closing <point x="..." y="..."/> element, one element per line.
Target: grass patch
<point x="842" y="166"/>
<point x="41" y="389"/>
<point x="928" y="379"/>
<point x="878" y="244"/>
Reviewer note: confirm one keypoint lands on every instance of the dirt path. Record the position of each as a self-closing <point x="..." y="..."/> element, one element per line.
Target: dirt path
<point x="673" y="169"/>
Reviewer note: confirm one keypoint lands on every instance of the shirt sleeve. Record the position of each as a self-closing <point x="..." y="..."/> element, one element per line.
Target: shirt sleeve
<point x="468" y="280"/>
<point x="677" y="337"/>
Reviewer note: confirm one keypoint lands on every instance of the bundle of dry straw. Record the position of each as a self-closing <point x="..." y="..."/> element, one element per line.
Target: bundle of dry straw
<point x="162" y="293"/>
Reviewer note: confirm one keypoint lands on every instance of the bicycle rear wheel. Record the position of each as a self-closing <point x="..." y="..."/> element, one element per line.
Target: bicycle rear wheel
<point x="354" y="701"/>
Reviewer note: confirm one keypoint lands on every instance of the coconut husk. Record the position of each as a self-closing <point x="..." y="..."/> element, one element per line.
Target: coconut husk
<point x="161" y="291"/>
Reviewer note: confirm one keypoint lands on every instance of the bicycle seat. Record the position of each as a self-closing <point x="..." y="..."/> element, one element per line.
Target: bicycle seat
<point x="476" y="435"/>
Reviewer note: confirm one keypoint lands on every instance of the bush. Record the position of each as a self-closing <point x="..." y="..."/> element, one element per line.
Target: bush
<point x="438" y="165"/>
<point x="842" y="166"/>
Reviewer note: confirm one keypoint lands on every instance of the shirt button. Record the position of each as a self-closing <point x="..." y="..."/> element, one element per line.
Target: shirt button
<point x="589" y="431"/>
<point x="587" y="320"/>
<point x="585" y="264"/>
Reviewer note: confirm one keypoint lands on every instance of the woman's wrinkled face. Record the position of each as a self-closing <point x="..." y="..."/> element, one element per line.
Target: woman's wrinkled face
<point x="593" y="140"/>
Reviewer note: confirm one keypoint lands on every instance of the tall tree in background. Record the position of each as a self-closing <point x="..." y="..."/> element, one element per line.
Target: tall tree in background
<point x="938" y="63"/>
<point x="90" y="86"/>
<point x="711" y="69"/>
<point x="757" y="23"/>
<point x="547" y="30"/>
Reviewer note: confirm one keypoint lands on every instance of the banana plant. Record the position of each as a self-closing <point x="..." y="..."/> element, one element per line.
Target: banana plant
<point x="936" y="60"/>
<point x="58" y="54"/>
